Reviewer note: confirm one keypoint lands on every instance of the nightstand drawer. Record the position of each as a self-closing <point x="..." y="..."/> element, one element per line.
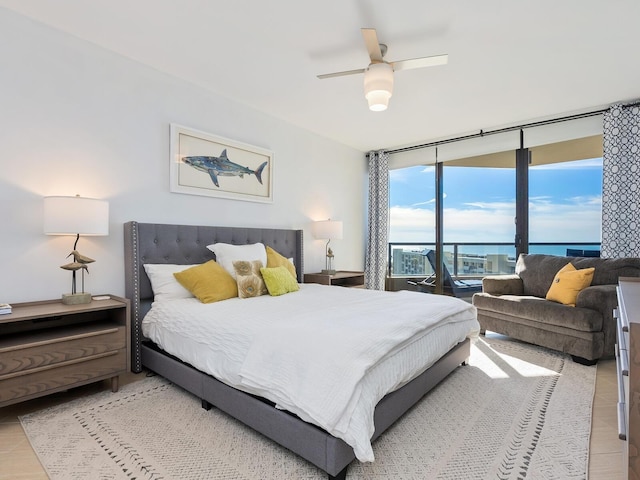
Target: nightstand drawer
<point x="56" y="377"/>
<point x="51" y="347"/>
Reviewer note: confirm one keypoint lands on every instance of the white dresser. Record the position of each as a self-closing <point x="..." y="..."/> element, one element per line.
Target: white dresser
<point x="628" y="366"/>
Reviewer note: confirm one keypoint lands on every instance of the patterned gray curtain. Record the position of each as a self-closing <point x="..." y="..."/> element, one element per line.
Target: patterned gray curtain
<point x="375" y="270"/>
<point x="621" y="182"/>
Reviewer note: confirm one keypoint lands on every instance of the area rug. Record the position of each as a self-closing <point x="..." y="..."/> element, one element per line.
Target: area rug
<point x="516" y="411"/>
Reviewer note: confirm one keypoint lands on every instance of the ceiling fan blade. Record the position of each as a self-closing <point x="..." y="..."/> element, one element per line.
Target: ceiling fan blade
<point x="373" y="46"/>
<point x="341" y="74"/>
<point x="420" y="62"/>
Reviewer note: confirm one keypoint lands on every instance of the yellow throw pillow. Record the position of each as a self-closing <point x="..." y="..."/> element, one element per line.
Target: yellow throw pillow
<point x="250" y="283"/>
<point x="274" y="259"/>
<point x="279" y="281"/>
<point x="208" y="282"/>
<point x="568" y="282"/>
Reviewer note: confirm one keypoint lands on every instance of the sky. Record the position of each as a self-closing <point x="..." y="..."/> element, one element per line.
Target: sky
<point x="565" y="202"/>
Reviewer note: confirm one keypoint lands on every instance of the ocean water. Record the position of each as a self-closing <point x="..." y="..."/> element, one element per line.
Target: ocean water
<point x="509" y="250"/>
<point x="411" y="259"/>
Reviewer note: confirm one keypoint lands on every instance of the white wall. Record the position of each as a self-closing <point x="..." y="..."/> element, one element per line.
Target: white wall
<point x="76" y="119"/>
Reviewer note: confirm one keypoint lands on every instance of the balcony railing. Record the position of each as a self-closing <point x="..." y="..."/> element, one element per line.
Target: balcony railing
<point x="468" y="259"/>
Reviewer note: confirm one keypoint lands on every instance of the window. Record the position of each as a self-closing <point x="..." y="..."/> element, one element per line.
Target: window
<point x="565" y="206"/>
<point x="555" y="190"/>
<point x="412" y="219"/>
<point x="479" y="207"/>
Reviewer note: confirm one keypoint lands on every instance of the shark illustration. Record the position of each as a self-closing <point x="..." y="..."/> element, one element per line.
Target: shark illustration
<point x="222" y="167"/>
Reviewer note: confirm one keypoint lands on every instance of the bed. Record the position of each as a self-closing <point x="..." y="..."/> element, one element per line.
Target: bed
<point x="147" y="243"/>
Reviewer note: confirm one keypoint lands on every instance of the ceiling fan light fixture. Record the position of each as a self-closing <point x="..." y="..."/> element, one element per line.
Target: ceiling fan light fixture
<point x="378" y="85"/>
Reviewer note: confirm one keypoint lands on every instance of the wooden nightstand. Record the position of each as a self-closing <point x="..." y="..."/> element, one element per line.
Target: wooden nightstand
<point x="340" y="278"/>
<point x="47" y="347"/>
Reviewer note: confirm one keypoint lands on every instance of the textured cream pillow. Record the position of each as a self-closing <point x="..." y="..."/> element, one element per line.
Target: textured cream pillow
<point x="163" y="283"/>
<point x="279" y="280"/>
<point x="274" y="259"/>
<point x="208" y="282"/>
<point x="568" y="283"/>
<point x="249" y="278"/>
<point x="226" y="254"/>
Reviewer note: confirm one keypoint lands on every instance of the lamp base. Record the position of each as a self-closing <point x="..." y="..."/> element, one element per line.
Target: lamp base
<point x="76" y="298"/>
<point x="328" y="272"/>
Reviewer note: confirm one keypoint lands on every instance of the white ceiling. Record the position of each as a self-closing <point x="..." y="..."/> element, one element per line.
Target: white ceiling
<point x="510" y="62"/>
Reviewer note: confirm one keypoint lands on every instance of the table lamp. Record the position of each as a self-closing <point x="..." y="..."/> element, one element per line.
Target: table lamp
<point x="326" y="230"/>
<point x="76" y="216"/>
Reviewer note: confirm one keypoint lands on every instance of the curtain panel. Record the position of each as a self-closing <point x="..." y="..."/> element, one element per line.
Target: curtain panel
<point x="621" y="182"/>
<point x="375" y="270"/>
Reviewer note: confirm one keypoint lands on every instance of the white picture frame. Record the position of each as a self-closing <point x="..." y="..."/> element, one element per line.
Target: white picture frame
<point x="209" y="165"/>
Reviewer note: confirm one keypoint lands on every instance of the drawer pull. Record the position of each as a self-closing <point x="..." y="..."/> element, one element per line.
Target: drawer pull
<point x="624" y="321"/>
<point x="622" y="424"/>
<point x="622" y="340"/>
<point x="621" y="392"/>
<point x="624" y="363"/>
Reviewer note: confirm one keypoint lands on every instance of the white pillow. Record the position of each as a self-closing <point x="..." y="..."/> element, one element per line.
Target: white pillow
<point x="164" y="284"/>
<point x="226" y="254"/>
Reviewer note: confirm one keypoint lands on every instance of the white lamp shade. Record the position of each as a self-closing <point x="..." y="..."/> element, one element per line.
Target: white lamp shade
<point x="378" y="85"/>
<point x="75" y="215"/>
<point x="327" y="230"/>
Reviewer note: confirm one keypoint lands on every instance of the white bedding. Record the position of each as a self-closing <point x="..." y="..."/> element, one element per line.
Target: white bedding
<point x="327" y="354"/>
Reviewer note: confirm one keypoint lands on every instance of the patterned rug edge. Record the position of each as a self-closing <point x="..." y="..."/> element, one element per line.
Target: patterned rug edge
<point x="356" y="472"/>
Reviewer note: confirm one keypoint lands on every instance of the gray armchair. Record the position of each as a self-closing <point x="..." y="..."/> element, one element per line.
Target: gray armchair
<point x="515" y="305"/>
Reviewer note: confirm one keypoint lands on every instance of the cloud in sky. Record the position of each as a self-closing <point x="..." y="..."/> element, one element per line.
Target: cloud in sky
<point x="491" y="205"/>
<point x="564" y="206"/>
<point x="428" y="202"/>
<point x="577" y="220"/>
<point x="587" y="200"/>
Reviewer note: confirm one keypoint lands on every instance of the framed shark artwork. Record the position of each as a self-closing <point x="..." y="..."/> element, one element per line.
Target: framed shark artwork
<point x="213" y="166"/>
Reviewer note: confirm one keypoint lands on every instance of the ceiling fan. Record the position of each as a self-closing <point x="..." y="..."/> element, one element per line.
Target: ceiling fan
<point x="378" y="76"/>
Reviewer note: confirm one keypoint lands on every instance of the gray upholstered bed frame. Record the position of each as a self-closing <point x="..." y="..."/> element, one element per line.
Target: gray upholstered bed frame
<point x="186" y="244"/>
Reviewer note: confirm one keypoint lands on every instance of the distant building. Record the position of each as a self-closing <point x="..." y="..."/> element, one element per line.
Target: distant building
<point x="471" y="264"/>
<point x="416" y="263"/>
<point x="500" y="263"/>
<point x="410" y="263"/>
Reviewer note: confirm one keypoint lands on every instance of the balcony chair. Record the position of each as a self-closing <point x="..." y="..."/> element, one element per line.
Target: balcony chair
<point x="452" y="286"/>
<point x="573" y="252"/>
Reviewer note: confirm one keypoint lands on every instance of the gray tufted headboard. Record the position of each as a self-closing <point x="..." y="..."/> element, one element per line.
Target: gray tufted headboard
<point x="186" y="244"/>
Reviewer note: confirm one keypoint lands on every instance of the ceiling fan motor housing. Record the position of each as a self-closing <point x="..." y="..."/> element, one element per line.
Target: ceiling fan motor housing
<point x="378" y="85"/>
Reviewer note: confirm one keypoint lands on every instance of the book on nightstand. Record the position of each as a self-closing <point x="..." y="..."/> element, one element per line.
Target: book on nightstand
<point x="5" y="308"/>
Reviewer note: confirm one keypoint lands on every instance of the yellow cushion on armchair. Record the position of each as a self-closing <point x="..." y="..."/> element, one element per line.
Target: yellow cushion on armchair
<point x="568" y="283"/>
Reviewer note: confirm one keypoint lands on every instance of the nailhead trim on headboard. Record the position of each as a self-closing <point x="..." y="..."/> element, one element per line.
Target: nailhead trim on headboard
<point x="186" y="244"/>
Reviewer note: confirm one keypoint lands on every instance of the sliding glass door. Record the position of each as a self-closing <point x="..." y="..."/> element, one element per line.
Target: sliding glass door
<point x="565" y="198"/>
<point x="412" y="220"/>
<point x="478" y="216"/>
<point x="481" y="200"/>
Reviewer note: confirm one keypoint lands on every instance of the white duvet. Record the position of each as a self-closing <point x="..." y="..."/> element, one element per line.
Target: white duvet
<point x="327" y="354"/>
